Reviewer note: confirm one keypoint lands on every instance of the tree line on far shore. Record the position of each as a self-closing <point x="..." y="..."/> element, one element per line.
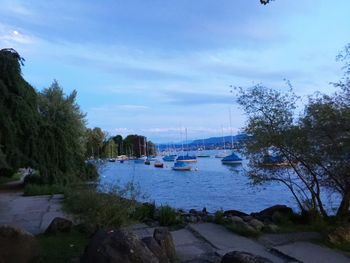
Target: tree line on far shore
<point x="46" y="130"/>
<point x="100" y="145"/>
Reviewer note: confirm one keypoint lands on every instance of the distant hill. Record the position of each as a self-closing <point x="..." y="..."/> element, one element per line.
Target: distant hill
<point x="209" y="141"/>
<point x="219" y="140"/>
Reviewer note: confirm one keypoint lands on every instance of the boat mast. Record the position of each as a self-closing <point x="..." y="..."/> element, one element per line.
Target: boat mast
<point x="231" y="129"/>
<point x="223" y="138"/>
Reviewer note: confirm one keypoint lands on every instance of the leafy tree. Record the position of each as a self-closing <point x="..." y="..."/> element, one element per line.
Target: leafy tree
<point x="94" y="139"/>
<point x="62" y="131"/>
<point x="118" y="140"/>
<point x="315" y="144"/>
<point x="18" y="116"/>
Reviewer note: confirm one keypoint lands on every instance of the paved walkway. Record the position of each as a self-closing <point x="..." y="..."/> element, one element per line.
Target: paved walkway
<point x="32" y="213"/>
<point x="208" y="242"/>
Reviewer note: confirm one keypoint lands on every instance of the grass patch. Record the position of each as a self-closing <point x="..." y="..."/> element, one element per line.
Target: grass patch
<point x="167" y="216"/>
<point x="98" y="210"/>
<point x="61" y="247"/>
<point x="14" y="177"/>
<point x="243" y="231"/>
<point x="36" y="189"/>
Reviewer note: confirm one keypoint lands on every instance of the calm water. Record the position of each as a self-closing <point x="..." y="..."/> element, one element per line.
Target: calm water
<point x="213" y="185"/>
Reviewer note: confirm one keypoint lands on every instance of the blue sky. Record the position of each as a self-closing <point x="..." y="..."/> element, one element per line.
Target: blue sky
<point x="152" y="67"/>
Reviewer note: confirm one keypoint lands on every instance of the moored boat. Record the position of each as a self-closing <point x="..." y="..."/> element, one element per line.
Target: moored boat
<point x="231" y="159"/>
<point x="181" y="166"/>
<point x="187" y="159"/>
<point x="169" y="158"/>
<point x="158" y="164"/>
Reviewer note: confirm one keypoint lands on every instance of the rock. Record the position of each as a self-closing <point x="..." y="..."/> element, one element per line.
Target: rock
<point x="234" y="213"/>
<point x="155" y="248"/>
<point x="17" y="245"/>
<point x="245" y="227"/>
<point x="58" y="225"/>
<point x="267" y="214"/>
<point x="165" y="240"/>
<point x="339" y="235"/>
<point x="243" y="257"/>
<point x="258" y="225"/>
<point x="117" y="246"/>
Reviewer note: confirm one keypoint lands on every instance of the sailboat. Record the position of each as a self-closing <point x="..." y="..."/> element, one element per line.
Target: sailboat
<point x="223" y="154"/>
<point x="186" y="158"/>
<point x="140" y="159"/>
<point x="181" y="163"/>
<point x="181" y="166"/>
<point x="111" y="159"/>
<point x="232" y="158"/>
<point x="203" y="155"/>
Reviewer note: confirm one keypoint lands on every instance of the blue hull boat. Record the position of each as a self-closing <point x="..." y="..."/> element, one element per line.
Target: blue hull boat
<point x="231" y="159"/>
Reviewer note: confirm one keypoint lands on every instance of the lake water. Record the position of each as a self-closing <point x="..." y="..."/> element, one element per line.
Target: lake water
<point x="212" y="185"/>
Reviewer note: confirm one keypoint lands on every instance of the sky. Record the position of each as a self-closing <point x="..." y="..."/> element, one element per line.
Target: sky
<point x="157" y="67"/>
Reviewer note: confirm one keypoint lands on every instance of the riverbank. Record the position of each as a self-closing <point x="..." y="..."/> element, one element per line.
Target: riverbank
<point x="196" y="234"/>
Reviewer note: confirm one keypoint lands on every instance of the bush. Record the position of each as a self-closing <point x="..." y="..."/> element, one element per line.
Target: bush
<point x="145" y="211"/>
<point x="36" y="189"/>
<point x="167" y="216"/>
<point x="98" y="210"/>
<point x="35" y="178"/>
<point x="89" y="172"/>
<point x="219" y="217"/>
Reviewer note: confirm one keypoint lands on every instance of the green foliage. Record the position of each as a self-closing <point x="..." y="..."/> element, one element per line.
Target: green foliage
<point x="44" y="189"/>
<point x="315" y="144"/>
<point x="219" y="217"/>
<point x="19" y="116"/>
<point x="5" y="179"/>
<point x="145" y="211"/>
<point x="98" y="210"/>
<point x="94" y="140"/>
<point x="62" y="247"/>
<point x="42" y="130"/>
<point x="247" y="232"/>
<point x="167" y="216"/>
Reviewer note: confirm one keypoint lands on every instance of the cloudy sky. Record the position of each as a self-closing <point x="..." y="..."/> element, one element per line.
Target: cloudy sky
<point x="152" y="67"/>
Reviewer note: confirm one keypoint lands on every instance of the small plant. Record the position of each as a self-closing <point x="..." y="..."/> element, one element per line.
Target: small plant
<point x="219" y="217"/>
<point x="145" y="211"/>
<point x="98" y="210"/>
<point x="36" y="189"/>
<point x="167" y="216"/>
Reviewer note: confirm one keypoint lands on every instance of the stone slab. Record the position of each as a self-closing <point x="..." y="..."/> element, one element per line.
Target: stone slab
<point x="311" y="253"/>
<point x="271" y="240"/>
<point x="189" y="247"/>
<point x="226" y="241"/>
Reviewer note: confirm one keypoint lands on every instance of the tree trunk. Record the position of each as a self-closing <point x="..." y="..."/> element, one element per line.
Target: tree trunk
<point x="343" y="210"/>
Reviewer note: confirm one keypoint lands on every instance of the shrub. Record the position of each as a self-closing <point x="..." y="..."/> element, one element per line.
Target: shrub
<point x="167" y="216"/>
<point x="145" y="211"/>
<point x="89" y="172"/>
<point x="36" y="189"/>
<point x="219" y="217"/>
<point x="98" y="210"/>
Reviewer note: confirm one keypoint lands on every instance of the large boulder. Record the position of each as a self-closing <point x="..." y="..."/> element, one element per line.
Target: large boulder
<point x="58" y="225"/>
<point x="268" y="213"/>
<point x="17" y="245"/>
<point x="155" y="248"/>
<point x="243" y="257"/>
<point x="339" y="235"/>
<point x="117" y="246"/>
<point x="165" y="240"/>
